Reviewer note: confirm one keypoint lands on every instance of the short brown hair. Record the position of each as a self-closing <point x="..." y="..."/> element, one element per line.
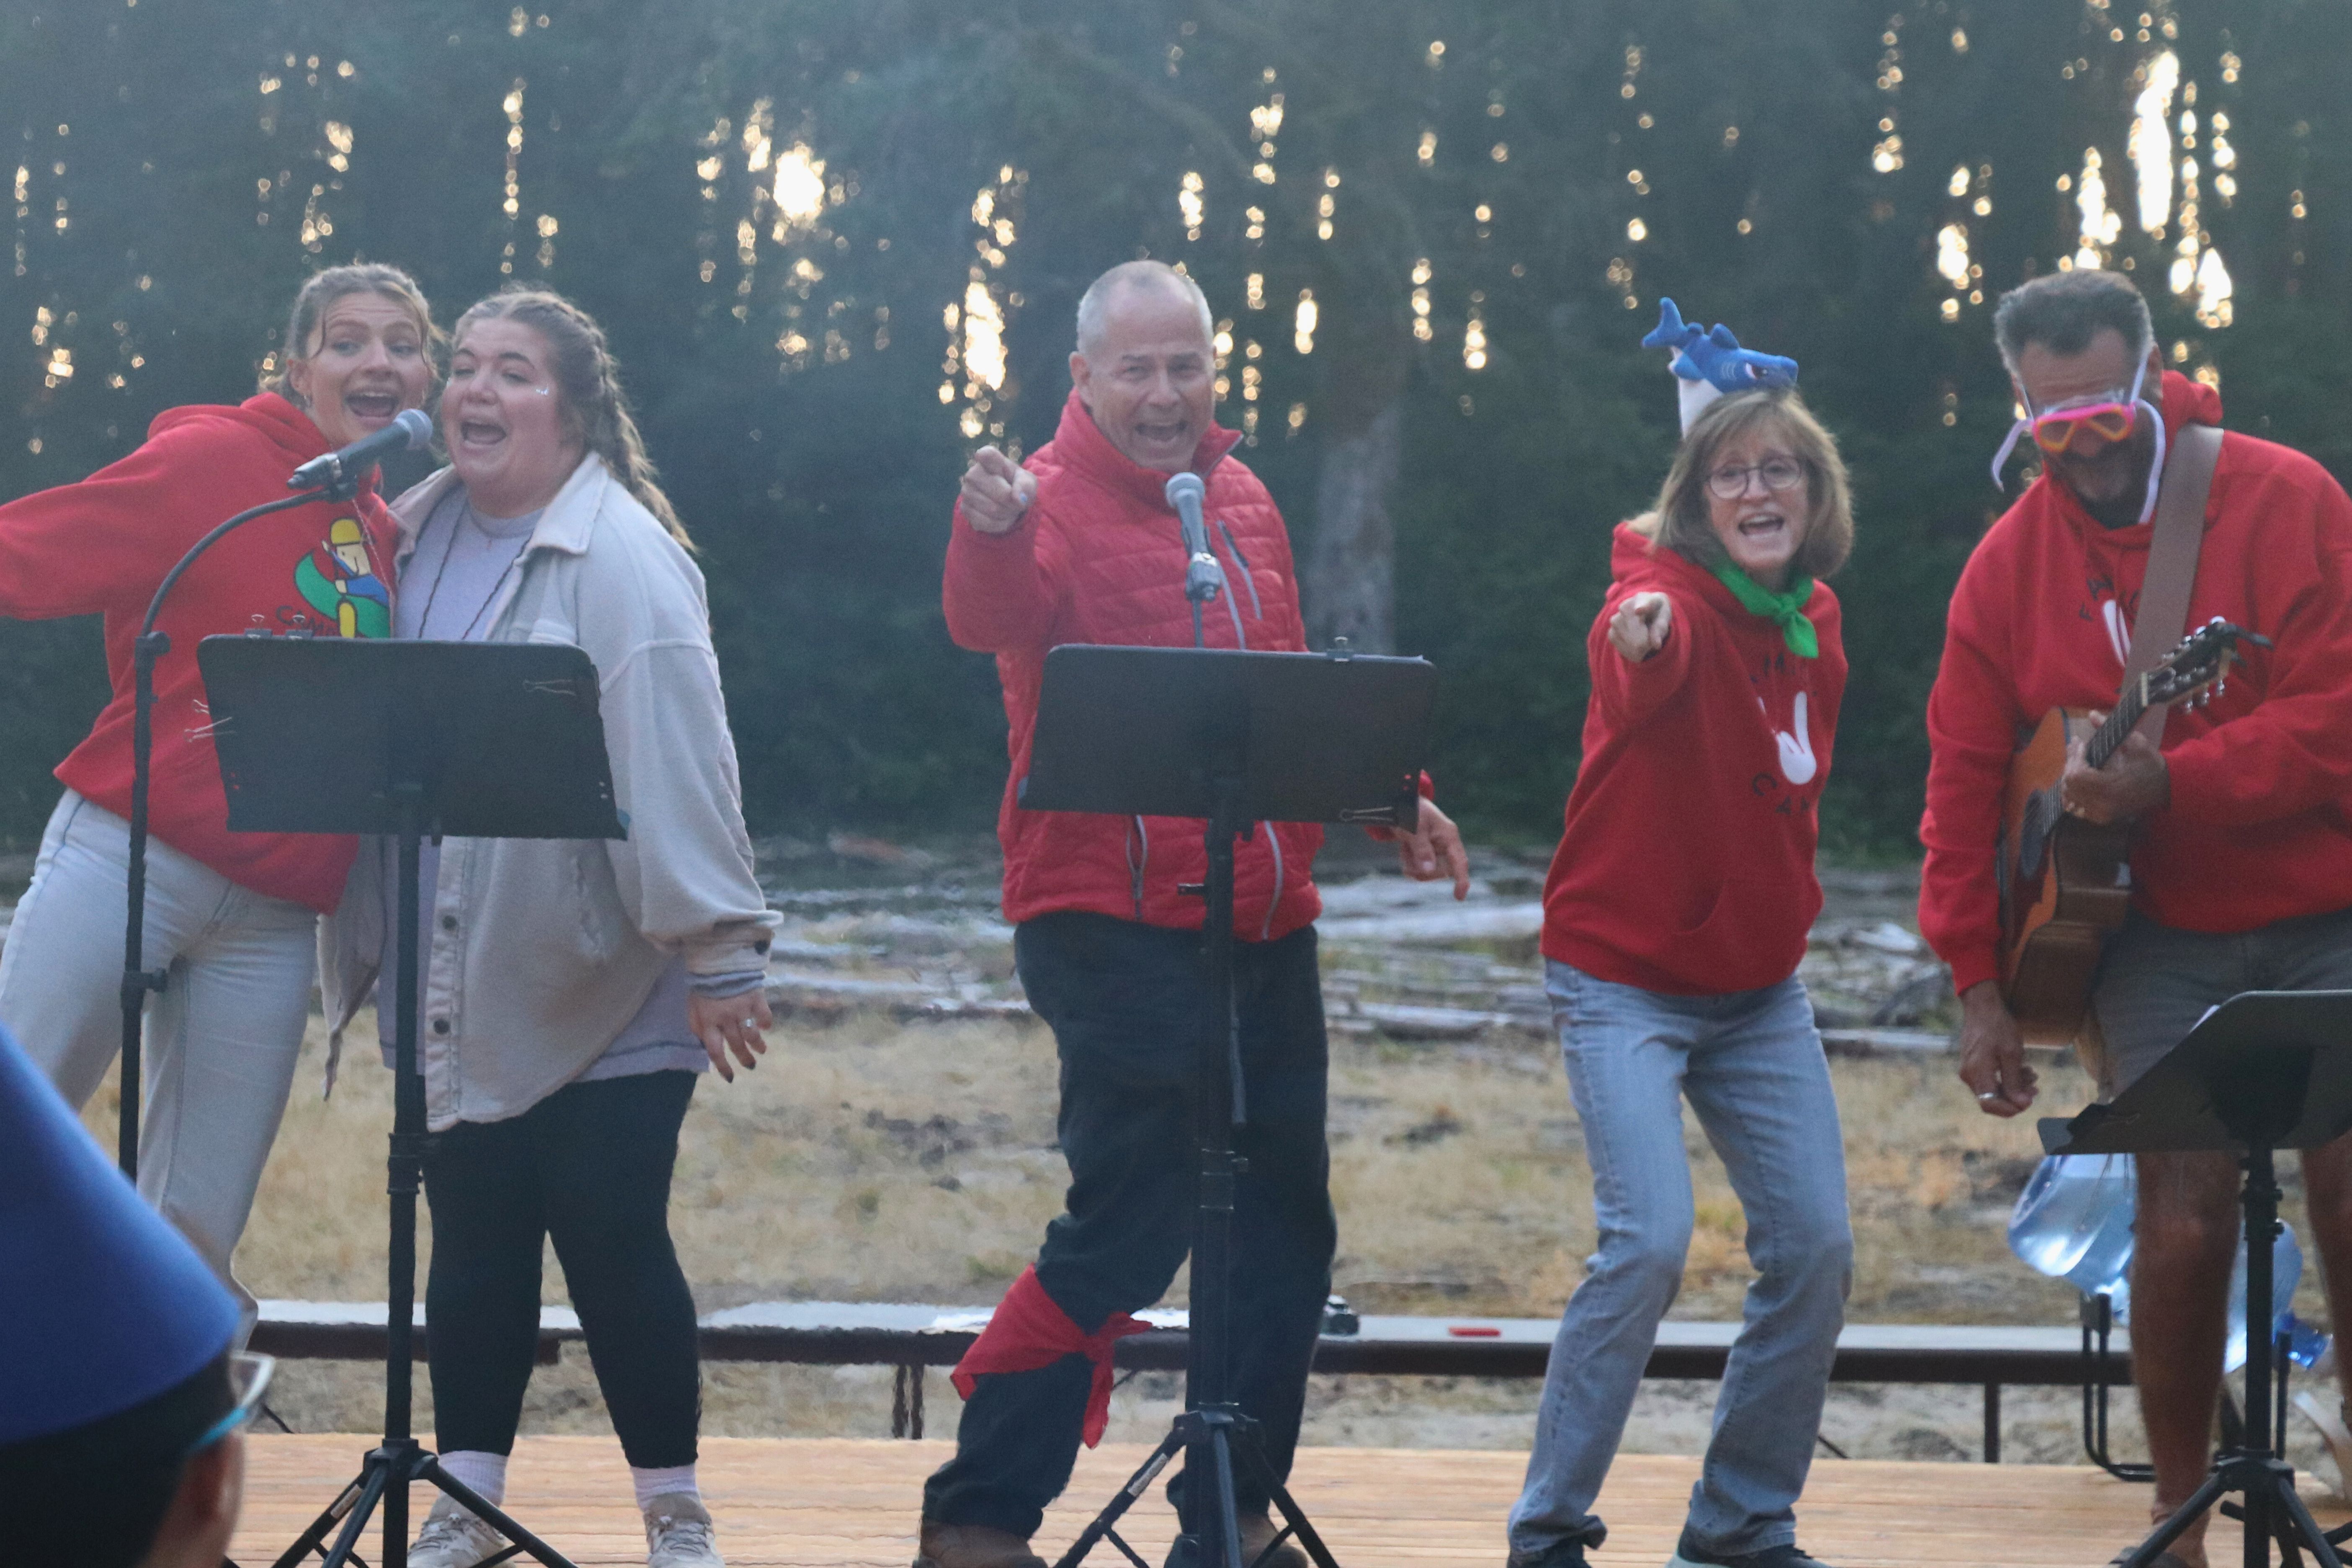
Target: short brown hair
<point x="2064" y="311"/>
<point x="1680" y="519"/>
<point x="594" y="410"/>
<point x="321" y="290"/>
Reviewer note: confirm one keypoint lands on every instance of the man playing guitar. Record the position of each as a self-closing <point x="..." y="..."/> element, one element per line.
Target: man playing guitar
<point x="2240" y="869"/>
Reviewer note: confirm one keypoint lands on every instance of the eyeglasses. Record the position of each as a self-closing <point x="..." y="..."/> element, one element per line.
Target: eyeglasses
<point x="1777" y="474"/>
<point x="248" y="1379"/>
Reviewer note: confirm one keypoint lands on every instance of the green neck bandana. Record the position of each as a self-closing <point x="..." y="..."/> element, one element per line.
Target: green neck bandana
<point x="1785" y="610"/>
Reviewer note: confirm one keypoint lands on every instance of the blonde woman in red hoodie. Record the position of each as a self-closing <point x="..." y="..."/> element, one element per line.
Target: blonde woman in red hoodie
<point x="1673" y="918"/>
<point x="231" y="916"/>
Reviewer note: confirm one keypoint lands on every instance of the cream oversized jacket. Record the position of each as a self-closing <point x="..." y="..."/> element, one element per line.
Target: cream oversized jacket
<point x="542" y="950"/>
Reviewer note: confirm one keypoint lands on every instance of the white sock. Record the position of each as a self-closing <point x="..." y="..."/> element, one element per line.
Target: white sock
<point x="651" y="1484"/>
<point x="486" y="1473"/>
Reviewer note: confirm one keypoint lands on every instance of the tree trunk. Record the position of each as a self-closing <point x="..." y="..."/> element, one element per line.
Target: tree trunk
<point x="1350" y="579"/>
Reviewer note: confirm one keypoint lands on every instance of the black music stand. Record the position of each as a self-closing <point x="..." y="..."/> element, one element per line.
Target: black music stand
<point x="2264" y="1071"/>
<point x="1237" y="739"/>
<point x="407" y="739"/>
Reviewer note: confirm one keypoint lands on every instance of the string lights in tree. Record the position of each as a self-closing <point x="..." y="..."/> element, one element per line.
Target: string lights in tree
<point x="1886" y="153"/>
<point x="976" y="327"/>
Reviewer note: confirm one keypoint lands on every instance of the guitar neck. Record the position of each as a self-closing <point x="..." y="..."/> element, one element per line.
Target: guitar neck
<point x="2111" y="734"/>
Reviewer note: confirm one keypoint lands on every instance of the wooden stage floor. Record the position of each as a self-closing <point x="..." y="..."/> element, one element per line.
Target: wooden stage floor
<point x="851" y="1502"/>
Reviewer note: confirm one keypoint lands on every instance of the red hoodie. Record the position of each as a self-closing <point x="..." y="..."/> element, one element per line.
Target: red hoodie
<point x="2260" y="825"/>
<point x="101" y="546"/>
<point x="1098" y="558"/>
<point x="1688" y="866"/>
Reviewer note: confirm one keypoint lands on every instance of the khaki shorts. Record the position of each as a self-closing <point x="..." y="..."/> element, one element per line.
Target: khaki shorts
<point x="2156" y="982"/>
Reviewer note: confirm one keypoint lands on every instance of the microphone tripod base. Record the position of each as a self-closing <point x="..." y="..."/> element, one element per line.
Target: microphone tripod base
<point x="1217" y="1437"/>
<point x="387" y="1473"/>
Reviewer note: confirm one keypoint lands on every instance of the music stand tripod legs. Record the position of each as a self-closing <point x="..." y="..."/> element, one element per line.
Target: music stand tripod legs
<point x="2263" y="1480"/>
<point x="1213" y="1433"/>
<point x="389" y="1469"/>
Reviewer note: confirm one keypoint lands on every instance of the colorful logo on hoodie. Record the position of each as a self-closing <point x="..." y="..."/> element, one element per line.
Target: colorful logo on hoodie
<point x="341" y="580"/>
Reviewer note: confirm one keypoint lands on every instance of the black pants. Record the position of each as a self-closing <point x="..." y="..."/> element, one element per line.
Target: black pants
<point x="590" y="1166"/>
<point x="1125" y="1001"/>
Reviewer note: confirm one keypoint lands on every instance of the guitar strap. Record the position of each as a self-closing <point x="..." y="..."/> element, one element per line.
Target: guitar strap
<point x="2172" y="559"/>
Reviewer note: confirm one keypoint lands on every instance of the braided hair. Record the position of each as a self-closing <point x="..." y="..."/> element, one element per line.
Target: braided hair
<point x="321" y="290"/>
<point x="595" y="412"/>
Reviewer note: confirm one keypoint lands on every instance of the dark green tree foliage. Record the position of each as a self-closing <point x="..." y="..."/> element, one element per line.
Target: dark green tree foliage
<point x="1549" y="174"/>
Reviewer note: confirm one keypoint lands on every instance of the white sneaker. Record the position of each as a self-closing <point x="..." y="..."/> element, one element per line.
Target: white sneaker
<point x="454" y="1538"/>
<point x="679" y="1535"/>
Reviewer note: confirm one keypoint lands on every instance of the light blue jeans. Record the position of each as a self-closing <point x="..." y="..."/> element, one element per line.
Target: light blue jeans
<point x="1750" y="1063"/>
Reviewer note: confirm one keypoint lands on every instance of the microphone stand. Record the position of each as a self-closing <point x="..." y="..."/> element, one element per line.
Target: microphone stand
<point x="147" y="650"/>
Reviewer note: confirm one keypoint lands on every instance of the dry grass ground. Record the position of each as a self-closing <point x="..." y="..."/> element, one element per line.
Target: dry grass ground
<point x="879" y="1162"/>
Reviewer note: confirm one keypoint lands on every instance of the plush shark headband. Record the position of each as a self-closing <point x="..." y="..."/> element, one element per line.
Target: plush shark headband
<point x="1706" y="364"/>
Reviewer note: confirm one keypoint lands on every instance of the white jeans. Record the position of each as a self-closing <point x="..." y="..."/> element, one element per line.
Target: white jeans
<point x="221" y="1039"/>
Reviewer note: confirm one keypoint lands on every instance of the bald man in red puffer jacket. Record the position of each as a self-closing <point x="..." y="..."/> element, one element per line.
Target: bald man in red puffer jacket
<point x="1081" y="546"/>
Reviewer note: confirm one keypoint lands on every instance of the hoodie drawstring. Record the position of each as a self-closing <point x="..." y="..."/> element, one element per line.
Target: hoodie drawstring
<point x="1274" y="843"/>
<point x="1136" y="863"/>
<point x="1257" y="611"/>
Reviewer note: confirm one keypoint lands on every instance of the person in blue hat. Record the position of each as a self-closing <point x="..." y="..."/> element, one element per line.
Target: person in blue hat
<point x="122" y="1403"/>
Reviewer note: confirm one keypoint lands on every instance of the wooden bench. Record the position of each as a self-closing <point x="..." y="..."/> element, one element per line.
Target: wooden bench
<point x="913" y="1337"/>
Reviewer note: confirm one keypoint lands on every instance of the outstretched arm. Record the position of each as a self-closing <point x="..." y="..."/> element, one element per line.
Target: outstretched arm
<point x="995" y="594"/>
<point x="101" y="544"/>
<point x="1639" y="654"/>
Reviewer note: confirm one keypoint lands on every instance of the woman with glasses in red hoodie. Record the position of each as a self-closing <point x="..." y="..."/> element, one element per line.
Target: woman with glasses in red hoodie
<point x="231" y="917"/>
<point x="1674" y="918"/>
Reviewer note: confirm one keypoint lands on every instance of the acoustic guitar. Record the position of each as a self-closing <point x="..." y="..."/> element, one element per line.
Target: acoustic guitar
<point x="2066" y="883"/>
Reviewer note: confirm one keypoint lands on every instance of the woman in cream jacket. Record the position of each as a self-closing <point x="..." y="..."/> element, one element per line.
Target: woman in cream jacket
<point x="570" y="989"/>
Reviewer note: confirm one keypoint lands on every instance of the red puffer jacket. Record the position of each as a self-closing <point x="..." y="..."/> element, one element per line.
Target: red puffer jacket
<point x="1098" y="558"/>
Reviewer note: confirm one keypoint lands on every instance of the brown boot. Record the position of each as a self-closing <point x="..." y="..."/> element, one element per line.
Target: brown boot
<point x="974" y="1546"/>
<point x="1257" y="1530"/>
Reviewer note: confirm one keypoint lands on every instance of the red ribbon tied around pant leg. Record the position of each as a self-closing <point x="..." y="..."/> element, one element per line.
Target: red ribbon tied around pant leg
<point x="1029" y="1330"/>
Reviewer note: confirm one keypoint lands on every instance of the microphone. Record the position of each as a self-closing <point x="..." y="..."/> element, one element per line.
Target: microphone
<point x="1204" y="579"/>
<point x="412" y="429"/>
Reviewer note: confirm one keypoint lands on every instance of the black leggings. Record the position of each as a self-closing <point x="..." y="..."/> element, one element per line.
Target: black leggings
<point x="590" y="1166"/>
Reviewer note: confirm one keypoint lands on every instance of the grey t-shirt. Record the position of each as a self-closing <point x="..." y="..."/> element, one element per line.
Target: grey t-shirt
<point x="448" y="590"/>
